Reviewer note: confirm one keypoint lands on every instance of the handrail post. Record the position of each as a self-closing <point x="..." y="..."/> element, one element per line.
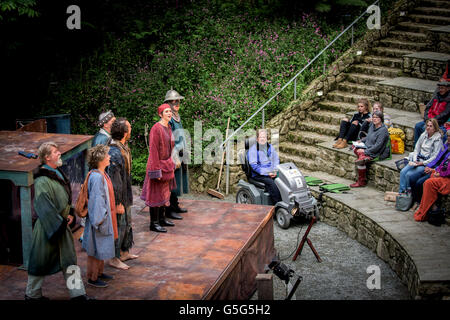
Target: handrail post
<point x="263" y="114"/>
<point x="227" y="155"/>
<point x="295" y="89"/>
<point x="352" y="36"/>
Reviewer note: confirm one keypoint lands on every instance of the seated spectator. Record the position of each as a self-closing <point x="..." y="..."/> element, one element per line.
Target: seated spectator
<point x="426" y="150"/>
<point x="375" y="145"/>
<point x="417" y="186"/>
<point x="349" y="129"/>
<point x="263" y="159"/>
<point x="377" y="106"/>
<point x="439" y="183"/>
<point x="438" y="107"/>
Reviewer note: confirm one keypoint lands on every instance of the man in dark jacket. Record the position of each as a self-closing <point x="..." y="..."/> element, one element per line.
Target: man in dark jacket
<point x="119" y="171"/>
<point x="438" y="107"/>
<point x="52" y="247"/>
<point x="105" y="121"/>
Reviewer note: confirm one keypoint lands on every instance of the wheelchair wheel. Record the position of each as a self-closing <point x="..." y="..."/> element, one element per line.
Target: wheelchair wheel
<point x="245" y="196"/>
<point x="283" y="218"/>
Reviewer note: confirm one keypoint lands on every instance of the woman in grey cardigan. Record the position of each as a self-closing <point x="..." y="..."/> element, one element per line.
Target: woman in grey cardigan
<point x="101" y="225"/>
<point x="425" y="151"/>
<point x="375" y="145"/>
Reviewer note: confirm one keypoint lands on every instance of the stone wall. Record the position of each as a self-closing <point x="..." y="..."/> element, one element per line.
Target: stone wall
<point x="206" y="176"/>
<point x="423" y="68"/>
<point x="402" y="98"/>
<point x="369" y="233"/>
<point x="340" y="164"/>
<point x="439" y="41"/>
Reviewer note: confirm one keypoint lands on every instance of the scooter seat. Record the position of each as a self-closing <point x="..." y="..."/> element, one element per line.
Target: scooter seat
<point x="257" y="184"/>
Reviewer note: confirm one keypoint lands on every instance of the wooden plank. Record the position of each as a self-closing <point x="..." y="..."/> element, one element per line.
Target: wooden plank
<point x="264" y="282"/>
<point x="11" y="142"/>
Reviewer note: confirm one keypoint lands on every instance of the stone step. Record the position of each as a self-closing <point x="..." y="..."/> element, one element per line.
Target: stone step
<point x="436" y="3"/>
<point x="319" y="127"/>
<point x="408" y="36"/>
<point x="341" y="96"/>
<point x="439" y="12"/>
<point x="364" y="78"/>
<point x="376" y="70"/>
<point x="430" y="19"/>
<point x="390" y="52"/>
<point x="299" y="149"/>
<point x="360" y="89"/>
<point x="417" y="252"/>
<point x="338" y="107"/>
<point x="383" y="175"/>
<point x="306" y="137"/>
<point x="300" y="162"/>
<point x="326" y="116"/>
<point x="414" y="26"/>
<point x="403" y="44"/>
<point x="383" y="61"/>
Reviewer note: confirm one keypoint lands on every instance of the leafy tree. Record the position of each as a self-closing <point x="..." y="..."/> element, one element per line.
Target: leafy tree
<point x="10" y="9"/>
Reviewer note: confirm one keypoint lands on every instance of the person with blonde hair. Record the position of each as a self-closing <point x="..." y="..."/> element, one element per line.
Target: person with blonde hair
<point x="425" y="151"/>
<point x="349" y="129"/>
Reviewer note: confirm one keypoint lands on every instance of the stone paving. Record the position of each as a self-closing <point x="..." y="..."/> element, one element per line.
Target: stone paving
<point x="341" y="275"/>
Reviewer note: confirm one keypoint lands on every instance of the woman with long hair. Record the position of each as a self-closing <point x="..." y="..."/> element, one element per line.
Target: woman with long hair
<point x="349" y="129"/>
<point x="425" y="151"/>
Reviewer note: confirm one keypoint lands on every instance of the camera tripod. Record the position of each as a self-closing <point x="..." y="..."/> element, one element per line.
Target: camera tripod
<point x="305" y="239"/>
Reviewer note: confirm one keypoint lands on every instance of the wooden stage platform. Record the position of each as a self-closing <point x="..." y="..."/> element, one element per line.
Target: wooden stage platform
<point x="214" y="253"/>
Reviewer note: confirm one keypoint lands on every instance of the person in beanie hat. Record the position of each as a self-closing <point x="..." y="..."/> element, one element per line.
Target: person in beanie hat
<point x="375" y="145"/>
<point x="159" y="178"/>
<point x="173" y="98"/>
<point x="105" y="121"/>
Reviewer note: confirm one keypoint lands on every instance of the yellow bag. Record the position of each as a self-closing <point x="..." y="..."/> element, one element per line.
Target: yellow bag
<point x="397" y="140"/>
<point x="397" y="132"/>
<point x="397" y="144"/>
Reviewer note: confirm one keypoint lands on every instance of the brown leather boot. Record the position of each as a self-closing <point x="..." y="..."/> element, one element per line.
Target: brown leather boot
<point x="338" y="142"/>
<point x="342" y="145"/>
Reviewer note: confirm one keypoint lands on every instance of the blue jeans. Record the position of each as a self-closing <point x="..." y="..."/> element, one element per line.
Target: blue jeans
<point x="417" y="187"/>
<point x="409" y="175"/>
<point x="419" y="128"/>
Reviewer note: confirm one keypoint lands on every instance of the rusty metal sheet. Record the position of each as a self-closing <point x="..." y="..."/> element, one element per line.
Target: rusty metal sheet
<point x="11" y="142"/>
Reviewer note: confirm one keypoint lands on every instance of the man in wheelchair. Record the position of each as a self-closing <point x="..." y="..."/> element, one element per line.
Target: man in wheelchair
<point x="263" y="160"/>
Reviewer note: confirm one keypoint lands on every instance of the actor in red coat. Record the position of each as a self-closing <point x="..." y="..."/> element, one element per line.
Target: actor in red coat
<point x="160" y="179"/>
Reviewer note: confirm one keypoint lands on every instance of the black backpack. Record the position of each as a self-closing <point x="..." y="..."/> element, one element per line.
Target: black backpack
<point x="436" y="217"/>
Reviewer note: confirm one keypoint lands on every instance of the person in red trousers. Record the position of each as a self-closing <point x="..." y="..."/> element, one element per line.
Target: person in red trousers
<point x="439" y="183"/>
